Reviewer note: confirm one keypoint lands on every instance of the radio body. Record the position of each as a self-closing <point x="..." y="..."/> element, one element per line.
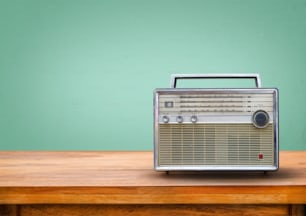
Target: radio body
<point x="234" y="129"/>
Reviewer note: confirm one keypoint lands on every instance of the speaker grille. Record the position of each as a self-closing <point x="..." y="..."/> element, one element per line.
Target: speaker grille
<point x="215" y="144"/>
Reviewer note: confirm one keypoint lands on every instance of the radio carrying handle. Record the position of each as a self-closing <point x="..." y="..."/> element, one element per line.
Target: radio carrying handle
<point x="175" y="77"/>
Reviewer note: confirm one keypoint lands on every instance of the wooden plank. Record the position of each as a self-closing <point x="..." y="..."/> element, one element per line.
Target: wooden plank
<point x="145" y="210"/>
<point x="154" y="195"/>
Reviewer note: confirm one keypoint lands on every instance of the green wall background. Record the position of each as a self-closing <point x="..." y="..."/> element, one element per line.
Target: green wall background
<point x="80" y="74"/>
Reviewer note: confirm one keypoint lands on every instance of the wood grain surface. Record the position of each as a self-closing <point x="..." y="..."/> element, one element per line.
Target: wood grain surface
<point x="128" y="178"/>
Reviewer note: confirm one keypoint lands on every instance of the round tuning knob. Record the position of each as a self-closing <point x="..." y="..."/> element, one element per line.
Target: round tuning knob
<point x="260" y="119"/>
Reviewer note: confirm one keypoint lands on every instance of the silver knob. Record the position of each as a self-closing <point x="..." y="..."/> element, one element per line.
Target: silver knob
<point x="166" y="119"/>
<point x="179" y="119"/>
<point x="193" y="119"/>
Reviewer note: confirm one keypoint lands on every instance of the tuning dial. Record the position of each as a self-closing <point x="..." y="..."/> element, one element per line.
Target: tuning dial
<point x="260" y="119"/>
<point x="179" y="119"/>
<point x="193" y="119"/>
<point x="166" y="119"/>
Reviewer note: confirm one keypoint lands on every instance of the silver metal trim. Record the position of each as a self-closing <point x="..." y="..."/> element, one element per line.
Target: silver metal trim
<point x="217" y="168"/>
<point x="276" y="128"/>
<point x="175" y="77"/>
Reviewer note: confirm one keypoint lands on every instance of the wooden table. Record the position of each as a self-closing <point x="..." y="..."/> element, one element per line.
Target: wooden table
<point x="124" y="183"/>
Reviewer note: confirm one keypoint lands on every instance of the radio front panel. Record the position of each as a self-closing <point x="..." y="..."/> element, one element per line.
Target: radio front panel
<point x="216" y="129"/>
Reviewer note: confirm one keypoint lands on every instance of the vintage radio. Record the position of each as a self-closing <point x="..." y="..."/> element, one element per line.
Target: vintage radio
<point x="216" y="129"/>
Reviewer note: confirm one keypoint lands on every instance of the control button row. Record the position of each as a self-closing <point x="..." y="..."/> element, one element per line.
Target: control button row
<point x="180" y="119"/>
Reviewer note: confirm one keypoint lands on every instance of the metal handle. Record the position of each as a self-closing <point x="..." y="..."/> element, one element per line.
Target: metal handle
<point x="175" y="77"/>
